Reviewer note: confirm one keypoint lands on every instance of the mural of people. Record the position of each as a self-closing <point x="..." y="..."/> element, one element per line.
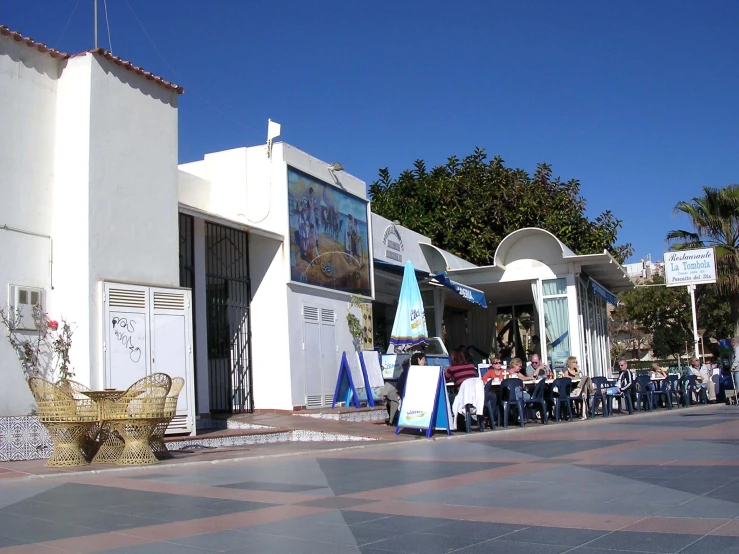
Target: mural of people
<point x="329" y="235"/>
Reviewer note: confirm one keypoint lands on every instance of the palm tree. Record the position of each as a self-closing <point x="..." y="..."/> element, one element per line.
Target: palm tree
<point x="715" y="220"/>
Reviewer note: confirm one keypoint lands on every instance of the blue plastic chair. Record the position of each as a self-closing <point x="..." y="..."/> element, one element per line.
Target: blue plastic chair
<point x="599" y="395"/>
<point x="509" y="399"/>
<point x="537" y="400"/>
<point x="643" y="393"/>
<point x="662" y="389"/>
<point x="676" y="393"/>
<point x="562" y="396"/>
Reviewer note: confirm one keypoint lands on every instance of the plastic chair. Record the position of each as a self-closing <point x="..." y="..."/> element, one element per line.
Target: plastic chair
<point x="135" y="415"/>
<point x="675" y="393"/>
<point x="563" y="386"/>
<point x="581" y="399"/>
<point x="490" y="409"/>
<point x="156" y="441"/>
<point x="537" y="400"/>
<point x="642" y="391"/>
<point x="599" y="395"/>
<point x="623" y="396"/>
<point x="693" y="391"/>
<point x="509" y="399"/>
<point x="67" y="420"/>
<point x="661" y="390"/>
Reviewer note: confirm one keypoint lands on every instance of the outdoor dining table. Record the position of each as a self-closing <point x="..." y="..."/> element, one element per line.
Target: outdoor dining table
<point x="109" y="444"/>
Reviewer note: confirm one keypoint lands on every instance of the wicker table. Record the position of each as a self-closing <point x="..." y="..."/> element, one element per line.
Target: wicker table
<point x="111" y="445"/>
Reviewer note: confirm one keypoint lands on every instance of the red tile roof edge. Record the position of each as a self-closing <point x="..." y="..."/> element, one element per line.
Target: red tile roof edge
<point x="102" y="52"/>
<point x="136" y="69"/>
<point x="41" y="47"/>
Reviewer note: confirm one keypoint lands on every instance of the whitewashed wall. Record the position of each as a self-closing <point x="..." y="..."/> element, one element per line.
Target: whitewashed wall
<point x="28" y="89"/>
<point x="116" y="188"/>
<point x="246" y="187"/>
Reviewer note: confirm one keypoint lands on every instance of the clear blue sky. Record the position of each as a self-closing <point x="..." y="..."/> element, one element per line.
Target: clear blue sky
<point x="636" y="99"/>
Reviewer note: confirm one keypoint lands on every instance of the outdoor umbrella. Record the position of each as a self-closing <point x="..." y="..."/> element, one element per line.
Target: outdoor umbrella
<point x="409" y="328"/>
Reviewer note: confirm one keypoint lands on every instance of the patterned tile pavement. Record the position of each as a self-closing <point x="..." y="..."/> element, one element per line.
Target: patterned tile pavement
<point x="662" y="482"/>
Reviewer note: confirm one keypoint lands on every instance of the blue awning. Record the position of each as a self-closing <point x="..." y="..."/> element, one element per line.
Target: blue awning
<point x="468" y="293"/>
<point x="601" y="291"/>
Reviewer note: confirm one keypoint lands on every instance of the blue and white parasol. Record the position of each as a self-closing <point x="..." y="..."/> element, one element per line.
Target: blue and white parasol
<point x="409" y="328"/>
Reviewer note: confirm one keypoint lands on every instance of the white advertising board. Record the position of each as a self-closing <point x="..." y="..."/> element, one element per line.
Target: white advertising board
<point x="419" y="397"/>
<point x="372" y="365"/>
<point x="690" y="267"/>
<point x="392" y="365"/>
<point x="355" y="368"/>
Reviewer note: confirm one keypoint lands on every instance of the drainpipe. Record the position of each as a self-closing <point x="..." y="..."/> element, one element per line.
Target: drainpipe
<point x="51" y="248"/>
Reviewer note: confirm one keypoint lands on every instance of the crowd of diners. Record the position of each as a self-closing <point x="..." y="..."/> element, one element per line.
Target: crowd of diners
<point x="698" y="385"/>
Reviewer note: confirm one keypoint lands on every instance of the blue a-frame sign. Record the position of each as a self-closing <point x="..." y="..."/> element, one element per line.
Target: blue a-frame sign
<point x="345" y="384"/>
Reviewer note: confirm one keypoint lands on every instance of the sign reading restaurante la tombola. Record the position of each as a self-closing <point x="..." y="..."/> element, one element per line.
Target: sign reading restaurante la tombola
<point x="690" y="267"/>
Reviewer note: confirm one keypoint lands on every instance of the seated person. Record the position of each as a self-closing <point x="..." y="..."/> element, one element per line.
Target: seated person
<point x="537" y="370"/>
<point x="460" y="370"/>
<point x="516" y="373"/>
<point x="658" y="371"/>
<point x="625" y="380"/>
<point x="572" y="368"/>
<point x="495" y="371"/>
<point x="391" y="394"/>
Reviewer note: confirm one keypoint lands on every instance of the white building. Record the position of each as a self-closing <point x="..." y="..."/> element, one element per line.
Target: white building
<point x="235" y="271"/>
<point x="644" y="269"/>
<point x="88" y="173"/>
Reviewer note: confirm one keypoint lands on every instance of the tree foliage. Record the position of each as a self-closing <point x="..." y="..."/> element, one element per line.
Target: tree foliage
<point x="664" y="314"/>
<point x="468" y="206"/>
<point x="714" y="217"/>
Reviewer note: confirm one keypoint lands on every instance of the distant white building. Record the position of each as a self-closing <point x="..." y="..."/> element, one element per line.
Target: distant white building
<point x="644" y="269"/>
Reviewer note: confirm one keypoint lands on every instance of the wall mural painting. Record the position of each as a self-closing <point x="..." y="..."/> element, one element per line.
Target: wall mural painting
<point x="329" y="236"/>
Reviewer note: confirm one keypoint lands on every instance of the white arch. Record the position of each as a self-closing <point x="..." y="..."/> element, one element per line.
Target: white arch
<point x="501" y="253"/>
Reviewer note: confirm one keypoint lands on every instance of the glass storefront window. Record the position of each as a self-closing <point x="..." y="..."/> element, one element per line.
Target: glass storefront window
<point x="557" y="321"/>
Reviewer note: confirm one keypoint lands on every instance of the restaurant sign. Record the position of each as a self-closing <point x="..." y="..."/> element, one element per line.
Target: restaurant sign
<point x="690" y="267"/>
<point x="393" y="244"/>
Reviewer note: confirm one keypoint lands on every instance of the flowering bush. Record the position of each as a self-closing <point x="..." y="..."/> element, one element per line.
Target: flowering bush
<point x="44" y="351"/>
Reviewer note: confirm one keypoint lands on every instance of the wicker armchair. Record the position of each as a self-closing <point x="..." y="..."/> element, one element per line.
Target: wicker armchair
<point x="67" y="419"/>
<point x="135" y="415"/>
<point x="170" y="409"/>
<point x="77" y="390"/>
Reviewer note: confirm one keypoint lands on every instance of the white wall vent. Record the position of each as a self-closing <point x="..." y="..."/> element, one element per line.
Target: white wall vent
<point x="169" y="301"/>
<point x="126" y="298"/>
<point x="310" y="313"/>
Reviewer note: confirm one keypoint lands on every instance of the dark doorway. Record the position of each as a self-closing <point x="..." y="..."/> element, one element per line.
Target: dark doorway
<point x="227" y="298"/>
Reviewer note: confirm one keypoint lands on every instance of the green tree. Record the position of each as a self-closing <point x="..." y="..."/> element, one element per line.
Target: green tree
<point x="467" y="207"/>
<point x="663" y="312"/>
<point x="714" y="217"/>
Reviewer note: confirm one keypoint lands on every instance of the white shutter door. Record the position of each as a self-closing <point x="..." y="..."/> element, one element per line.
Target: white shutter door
<point x="171" y="348"/>
<point x="329" y="356"/>
<point x="312" y="357"/>
<point x="126" y="334"/>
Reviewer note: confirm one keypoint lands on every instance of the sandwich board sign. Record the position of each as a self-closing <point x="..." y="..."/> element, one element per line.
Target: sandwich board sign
<point x="372" y="371"/>
<point x="346" y="384"/>
<point x="690" y="267"/>
<point x="425" y="402"/>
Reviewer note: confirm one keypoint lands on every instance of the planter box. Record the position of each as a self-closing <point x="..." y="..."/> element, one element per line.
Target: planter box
<point x="23" y="438"/>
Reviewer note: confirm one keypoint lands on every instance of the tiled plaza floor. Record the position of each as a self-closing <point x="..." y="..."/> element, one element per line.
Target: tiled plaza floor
<point x="663" y="482"/>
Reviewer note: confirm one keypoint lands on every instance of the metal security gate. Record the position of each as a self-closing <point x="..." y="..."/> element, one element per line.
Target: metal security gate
<point x="227" y="298"/>
<point x="187" y="277"/>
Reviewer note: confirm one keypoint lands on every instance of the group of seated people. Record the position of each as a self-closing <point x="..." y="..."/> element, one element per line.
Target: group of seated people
<point x="462" y="368"/>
